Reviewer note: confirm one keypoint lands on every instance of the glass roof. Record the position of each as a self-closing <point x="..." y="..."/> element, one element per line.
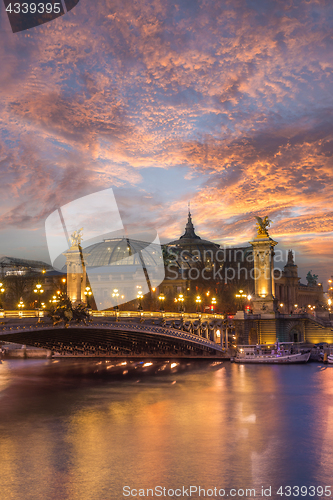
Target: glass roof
<point x="122" y="251"/>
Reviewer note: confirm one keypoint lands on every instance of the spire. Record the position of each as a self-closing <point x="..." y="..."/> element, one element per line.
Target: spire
<point x="189" y="228"/>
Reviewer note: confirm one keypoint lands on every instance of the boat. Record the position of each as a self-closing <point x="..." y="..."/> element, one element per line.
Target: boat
<point x="276" y="353"/>
<point x="330" y="359"/>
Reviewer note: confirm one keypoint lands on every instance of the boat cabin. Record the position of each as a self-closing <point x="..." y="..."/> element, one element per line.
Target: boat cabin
<point x="267" y="350"/>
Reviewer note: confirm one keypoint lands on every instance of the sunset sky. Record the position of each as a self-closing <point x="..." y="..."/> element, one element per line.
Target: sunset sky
<point x="226" y="103"/>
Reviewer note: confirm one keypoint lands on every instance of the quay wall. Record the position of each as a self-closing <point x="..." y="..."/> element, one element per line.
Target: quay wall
<point x="22" y="353"/>
<point x="296" y="328"/>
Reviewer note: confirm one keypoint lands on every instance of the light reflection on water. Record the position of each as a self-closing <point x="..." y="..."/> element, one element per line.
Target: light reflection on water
<point x="78" y="438"/>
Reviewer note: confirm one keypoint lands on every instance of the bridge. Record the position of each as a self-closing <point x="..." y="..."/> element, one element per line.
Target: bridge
<point x="129" y="334"/>
<point x="138" y="333"/>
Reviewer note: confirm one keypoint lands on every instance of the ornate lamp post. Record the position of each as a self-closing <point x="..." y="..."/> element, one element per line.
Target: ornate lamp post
<point x="38" y="290"/>
<point x="241" y="295"/>
<point x="115" y="295"/>
<point x="139" y="297"/>
<point x="21" y="306"/>
<point x="198" y="302"/>
<point x="2" y="290"/>
<point x="181" y="300"/>
<point x="161" y="298"/>
<point x="63" y="285"/>
<point x="88" y="293"/>
<point x="213" y="304"/>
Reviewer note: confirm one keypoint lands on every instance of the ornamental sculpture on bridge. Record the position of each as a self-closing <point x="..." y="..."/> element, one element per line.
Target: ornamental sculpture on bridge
<point x="262" y="226"/>
<point x="76" y="238"/>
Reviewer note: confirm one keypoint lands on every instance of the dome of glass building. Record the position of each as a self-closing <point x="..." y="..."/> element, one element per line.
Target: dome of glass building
<point x="122" y="251"/>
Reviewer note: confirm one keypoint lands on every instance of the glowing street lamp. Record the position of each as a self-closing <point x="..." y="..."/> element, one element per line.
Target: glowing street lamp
<point x="38" y="290"/>
<point x="2" y="290"/>
<point x="213" y="304"/>
<point x="21" y="306"/>
<point x="88" y="293"/>
<point x="241" y="295"/>
<point x="198" y="301"/>
<point x="115" y="295"/>
<point x="330" y="288"/>
<point x="63" y="284"/>
<point x="161" y="298"/>
<point x="181" y="300"/>
<point x="139" y="297"/>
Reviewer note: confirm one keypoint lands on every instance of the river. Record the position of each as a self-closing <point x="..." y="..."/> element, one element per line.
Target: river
<point x="72" y="431"/>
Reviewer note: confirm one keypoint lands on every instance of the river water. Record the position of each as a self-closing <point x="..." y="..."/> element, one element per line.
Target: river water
<point x="78" y="432"/>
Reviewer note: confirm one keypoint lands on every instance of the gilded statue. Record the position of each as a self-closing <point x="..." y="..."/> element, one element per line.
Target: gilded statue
<point x="76" y="237"/>
<point x="262" y="225"/>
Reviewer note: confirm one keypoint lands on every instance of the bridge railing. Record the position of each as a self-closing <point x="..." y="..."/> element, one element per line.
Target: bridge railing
<point x="120" y="314"/>
<point x="22" y="314"/>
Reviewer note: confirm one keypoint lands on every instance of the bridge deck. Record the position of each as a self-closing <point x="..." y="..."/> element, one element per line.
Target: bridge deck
<point x="109" y="339"/>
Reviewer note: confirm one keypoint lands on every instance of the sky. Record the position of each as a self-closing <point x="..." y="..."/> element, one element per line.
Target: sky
<point x="223" y="103"/>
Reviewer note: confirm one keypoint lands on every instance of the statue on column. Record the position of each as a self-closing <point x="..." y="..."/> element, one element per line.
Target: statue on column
<point x="262" y="225"/>
<point x="76" y="269"/>
<point x="76" y="238"/>
<point x="264" y="301"/>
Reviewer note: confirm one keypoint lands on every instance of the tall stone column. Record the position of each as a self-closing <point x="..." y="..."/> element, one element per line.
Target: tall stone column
<point x="76" y="275"/>
<point x="264" y="301"/>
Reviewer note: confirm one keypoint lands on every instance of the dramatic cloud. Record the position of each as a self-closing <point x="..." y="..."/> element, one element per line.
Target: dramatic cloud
<point x="229" y="100"/>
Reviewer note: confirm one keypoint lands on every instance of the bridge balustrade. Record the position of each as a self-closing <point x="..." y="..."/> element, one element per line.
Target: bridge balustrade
<point x="117" y="314"/>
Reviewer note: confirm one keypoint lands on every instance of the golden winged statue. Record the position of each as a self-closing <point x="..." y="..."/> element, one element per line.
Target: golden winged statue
<point x="262" y="225"/>
<point x="76" y="237"/>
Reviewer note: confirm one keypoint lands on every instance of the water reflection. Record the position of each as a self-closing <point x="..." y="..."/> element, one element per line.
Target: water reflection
<point x="70" y="437"/>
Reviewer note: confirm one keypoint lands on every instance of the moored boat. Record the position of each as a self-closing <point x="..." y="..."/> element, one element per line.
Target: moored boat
<point x="272" y="353"/>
